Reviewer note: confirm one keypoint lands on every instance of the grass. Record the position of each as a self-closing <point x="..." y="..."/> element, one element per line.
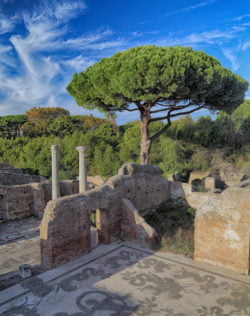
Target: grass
<point x="174" y="224"/>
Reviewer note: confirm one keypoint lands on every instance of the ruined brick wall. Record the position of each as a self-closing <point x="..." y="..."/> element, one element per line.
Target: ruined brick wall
<point x="222" y="224"/>
<point x="222" y="230"/>
<point x="65" y="228"/>
<point x="18" y="201"/>
<point x="134" y="227"/>
<point x="9" y="178"/>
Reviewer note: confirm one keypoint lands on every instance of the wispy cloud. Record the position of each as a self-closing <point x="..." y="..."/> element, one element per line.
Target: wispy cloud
<point x="46" y="59"/>
<point x="231" y="55"/>
<point x="191" y="8"/>
<point x="245" y="45"/>
<point x="241" y="17"/>
<point x="78" y="63"/>
<point x="7" y="23"/>
<point x="215" y="36"/>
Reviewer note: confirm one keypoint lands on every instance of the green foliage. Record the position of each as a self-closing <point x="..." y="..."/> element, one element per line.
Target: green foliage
<point x="10" y="126"/>
<point x="175" y="156"/>
<point x="130" y="144"/>
<point x="243" y="111"/>
<point x="174" y="224"/>
<point x="147" y="73"/>
<point x="188" y="145"/>
<point x="43" y="114"/>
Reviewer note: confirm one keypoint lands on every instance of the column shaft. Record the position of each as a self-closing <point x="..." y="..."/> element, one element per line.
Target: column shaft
<point x="82" y="169"/>
<point x="55" y="172"/>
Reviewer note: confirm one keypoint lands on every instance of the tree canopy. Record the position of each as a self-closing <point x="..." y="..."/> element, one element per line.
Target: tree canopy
<point x="159" y="82"/>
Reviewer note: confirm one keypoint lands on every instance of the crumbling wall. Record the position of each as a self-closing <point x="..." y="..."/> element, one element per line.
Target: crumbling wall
<point x="222" y="223"/>
<point x="134" y="227"/>
<point x="9" y="178"/>
<point x="222" y="230"/>
<point x="18" y="201"/>
<point x="65" y="228"/>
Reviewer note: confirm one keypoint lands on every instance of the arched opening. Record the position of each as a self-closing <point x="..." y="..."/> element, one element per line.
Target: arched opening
<point x="196" y="185"/>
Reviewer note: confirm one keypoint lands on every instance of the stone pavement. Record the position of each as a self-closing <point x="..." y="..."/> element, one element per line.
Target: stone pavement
<point x="19" y="243"/>
<point x="127" y="279"/>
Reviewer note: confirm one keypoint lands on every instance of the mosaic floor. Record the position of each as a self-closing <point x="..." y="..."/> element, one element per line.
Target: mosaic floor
<point x="126" y="279"/>
<point x="19" y="243"/>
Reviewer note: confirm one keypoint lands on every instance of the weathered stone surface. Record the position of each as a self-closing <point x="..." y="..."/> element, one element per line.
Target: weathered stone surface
<point x="209" y="183"/>
<point x="96" y="180"/>
<point x="134" y="228"/>
<point x="20" y="201"/>
<point x="222" y="221"/>
<point x="65" y="228"/>
<point x="9" y="178"/>
<point x="132" y="169"/>
<point x="222" y="230"/>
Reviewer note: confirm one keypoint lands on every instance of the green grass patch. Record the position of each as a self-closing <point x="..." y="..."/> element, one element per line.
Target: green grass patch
<point x="174" y="224"/>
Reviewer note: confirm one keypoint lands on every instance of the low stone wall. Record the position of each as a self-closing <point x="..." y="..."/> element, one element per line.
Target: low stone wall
<point x="10" y="178"/>
<point x="134" y="227"/>
<point x="65" y="228"/>
<point x="18" y="201"/>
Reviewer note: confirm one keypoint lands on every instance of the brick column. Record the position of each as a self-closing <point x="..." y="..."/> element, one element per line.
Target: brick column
<point x="82" y="169"/>
<point x="55" y="172"/>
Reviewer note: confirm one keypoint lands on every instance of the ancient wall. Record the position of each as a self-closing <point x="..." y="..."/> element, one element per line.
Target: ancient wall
<point x="222" y="223"/>
<point x="134" y="227"/>
<point x="9" y="178"/>
<point x="18" y="201"/>
<point x="222" y="230"/>
<point x="65" y="228"/>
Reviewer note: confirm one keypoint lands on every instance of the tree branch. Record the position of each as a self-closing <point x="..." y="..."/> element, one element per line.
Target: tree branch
<point x="188" y="112"/>
<point x="159" y="133"/>
<point x="156" y="111"/>
<point x="127" y="109"/>
<point x="168" y="118"/>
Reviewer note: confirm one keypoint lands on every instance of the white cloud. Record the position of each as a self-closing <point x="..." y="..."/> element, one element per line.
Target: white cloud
<point x="191" y="8"/>
<point x="68" y="10"/>
<point x="230" y="54"/>
<point x="241" y="17"/>
<point x="216" y="36"/>
<point x="7" y="23"/>
<point x="44" y="69"/>
<point x="78" y="63"/>
<point x="245" y="45"/>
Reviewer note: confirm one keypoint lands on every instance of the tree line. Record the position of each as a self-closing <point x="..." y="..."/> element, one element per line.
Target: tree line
<point x="187" y="145"/>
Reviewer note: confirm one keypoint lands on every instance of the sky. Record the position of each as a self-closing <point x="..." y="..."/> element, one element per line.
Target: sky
<point x="44" y="42"/>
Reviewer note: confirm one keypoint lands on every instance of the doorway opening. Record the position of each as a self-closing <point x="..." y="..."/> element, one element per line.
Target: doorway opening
<point x="99" y="227"/>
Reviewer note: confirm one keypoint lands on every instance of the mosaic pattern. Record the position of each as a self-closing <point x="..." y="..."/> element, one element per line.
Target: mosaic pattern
<point x="128" y="281"/>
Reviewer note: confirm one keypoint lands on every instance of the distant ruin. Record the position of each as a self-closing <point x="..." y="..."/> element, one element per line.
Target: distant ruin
<point x="23" y="195"/>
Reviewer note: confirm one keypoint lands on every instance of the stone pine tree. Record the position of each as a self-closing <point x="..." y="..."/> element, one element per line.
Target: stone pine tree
<point x="159" y="82"/>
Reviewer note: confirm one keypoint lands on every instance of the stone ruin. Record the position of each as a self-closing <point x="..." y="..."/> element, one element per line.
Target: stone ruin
<point x="222" y="222"/>
<point x="219" y="180"/>
<point x="23" y="195"/>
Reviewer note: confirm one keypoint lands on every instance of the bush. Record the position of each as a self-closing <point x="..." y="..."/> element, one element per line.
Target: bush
<point x="174" y="224"/>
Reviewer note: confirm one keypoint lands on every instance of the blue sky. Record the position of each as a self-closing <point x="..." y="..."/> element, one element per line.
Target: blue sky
<point x="44" y="42"/>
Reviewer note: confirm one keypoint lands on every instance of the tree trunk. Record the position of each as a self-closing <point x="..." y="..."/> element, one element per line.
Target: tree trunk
<point x="145" y="141"/>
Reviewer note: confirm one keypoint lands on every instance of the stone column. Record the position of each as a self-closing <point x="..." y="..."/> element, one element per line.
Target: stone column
<point x="82" y="169"/>
<point x="55" y="172"/>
